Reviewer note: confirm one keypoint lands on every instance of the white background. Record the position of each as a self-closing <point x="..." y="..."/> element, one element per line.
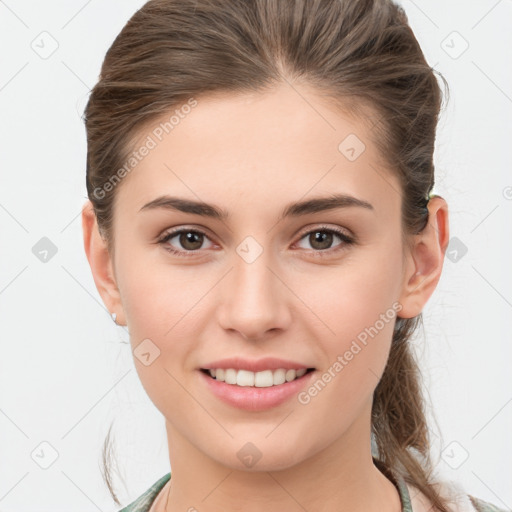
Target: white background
<point x="66" y="372"/>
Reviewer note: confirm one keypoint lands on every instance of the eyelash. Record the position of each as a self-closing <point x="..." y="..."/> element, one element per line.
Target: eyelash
<point x="346" y="241"/>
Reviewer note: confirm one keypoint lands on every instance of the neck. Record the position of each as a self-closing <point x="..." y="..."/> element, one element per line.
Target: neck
<point x="339" y="477"/>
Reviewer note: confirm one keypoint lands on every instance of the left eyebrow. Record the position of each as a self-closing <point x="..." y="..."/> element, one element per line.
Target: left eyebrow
<point x="297" y="209"/>
<point x="321" y="204"/>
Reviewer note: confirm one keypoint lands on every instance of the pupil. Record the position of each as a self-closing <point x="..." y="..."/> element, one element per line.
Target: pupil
<point x="191" y="238"/>
<point x="322" y="237"/>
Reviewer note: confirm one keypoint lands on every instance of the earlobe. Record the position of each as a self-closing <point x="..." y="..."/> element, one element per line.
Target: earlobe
<point x="425" y="261"/>
<point x="100" y="262"/>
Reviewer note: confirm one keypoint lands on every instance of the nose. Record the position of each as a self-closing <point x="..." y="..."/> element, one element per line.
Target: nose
<point x="254" y="300"/>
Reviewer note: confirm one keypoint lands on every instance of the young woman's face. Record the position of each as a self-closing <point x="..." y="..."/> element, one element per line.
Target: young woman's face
<point x="317" y="287"/>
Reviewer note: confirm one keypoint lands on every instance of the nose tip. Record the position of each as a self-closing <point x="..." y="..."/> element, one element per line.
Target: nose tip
<point x="253" y="336"/>
<point x="253" y="302"/>
<point x="253" y="316"/>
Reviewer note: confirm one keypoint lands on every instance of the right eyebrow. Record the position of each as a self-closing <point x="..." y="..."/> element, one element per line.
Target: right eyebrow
<point x="187" y="206"/>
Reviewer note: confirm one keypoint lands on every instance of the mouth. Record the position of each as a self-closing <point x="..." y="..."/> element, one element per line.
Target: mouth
<point x="262" y="379"/>
<point x="256" y="391"/>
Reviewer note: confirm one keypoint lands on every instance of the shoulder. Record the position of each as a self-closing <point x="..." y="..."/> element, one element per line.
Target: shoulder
<point x="143" y="503"/>
<point x="484" y="506"/>
<point x="457" y="498"/>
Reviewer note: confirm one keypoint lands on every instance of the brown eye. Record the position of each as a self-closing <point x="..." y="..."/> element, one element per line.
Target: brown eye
<point x="190" y="240"/>
<point x="320" y="240"/>
<point x="185" y="240"/>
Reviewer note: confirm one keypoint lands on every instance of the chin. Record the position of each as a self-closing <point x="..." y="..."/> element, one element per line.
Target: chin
<point x="264" y="456"/>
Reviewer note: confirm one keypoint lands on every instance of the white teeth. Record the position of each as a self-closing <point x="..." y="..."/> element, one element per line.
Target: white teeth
<point x="279" y="377"/>
<point x="263" y="379"/>
<point x="244" y="378"/>
<point x="230" y="376"/>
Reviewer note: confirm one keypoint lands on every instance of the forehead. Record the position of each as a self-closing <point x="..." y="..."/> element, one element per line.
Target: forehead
<point x="267" y="148"/>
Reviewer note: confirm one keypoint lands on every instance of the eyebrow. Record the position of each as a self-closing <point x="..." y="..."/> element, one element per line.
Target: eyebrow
<point x="297" y="209"/>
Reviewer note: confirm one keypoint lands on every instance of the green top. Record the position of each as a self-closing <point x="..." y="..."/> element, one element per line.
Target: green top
<point x="144" y="502"/>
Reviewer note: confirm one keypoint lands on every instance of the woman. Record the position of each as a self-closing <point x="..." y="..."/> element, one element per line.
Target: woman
<point x="261" y="218"/>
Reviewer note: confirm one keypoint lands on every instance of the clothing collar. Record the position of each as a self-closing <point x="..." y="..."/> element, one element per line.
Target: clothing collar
<point x="399" y="483"/>
<point x="143" y="503"/>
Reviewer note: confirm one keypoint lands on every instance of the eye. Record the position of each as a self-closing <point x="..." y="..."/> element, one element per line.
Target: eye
<point x="321" y="239"/>
<point x="190" y="240"/>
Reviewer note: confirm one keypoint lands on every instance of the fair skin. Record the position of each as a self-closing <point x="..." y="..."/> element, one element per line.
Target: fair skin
<point x="252" y="155"/>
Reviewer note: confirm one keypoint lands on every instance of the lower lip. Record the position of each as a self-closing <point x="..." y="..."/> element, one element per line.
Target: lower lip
<point x="255" y="399"/>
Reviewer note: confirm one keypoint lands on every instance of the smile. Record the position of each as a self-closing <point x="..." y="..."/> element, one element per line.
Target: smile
<point x="262" y="379"/>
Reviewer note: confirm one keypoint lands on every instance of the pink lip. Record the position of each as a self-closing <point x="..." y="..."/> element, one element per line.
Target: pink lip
<point x="267" y="363"/>
<point x="255" y="399"/>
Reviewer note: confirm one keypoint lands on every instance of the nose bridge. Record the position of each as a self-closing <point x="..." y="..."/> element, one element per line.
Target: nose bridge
<point x="253" y="301"/>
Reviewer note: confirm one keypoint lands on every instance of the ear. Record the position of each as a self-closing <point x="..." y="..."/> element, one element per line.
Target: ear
<point x="425" y="260"/>
<point x="100" y="262"/>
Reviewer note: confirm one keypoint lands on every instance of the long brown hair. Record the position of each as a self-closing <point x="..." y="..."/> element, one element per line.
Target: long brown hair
<point x="359" y="53"/>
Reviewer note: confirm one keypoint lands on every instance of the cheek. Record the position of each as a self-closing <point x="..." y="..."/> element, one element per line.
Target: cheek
<point x="164" y="308"/>
<point x="357" y="304"/>
<point x="160" y="306"/>
<point x="354" y="295"/>
<point x="354" y="357"/>
<point x="156" y="297"/>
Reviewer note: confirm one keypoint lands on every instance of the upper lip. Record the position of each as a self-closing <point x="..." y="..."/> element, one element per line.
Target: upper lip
<point x="255" y="365"/>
